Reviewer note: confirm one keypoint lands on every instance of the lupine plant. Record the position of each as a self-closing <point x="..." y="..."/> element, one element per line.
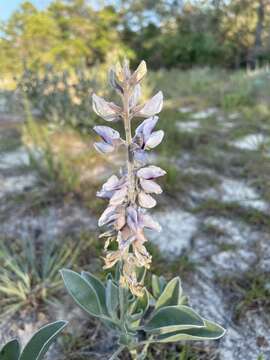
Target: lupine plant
<point x="139" y="315"/>
<point x="36" y="347"/>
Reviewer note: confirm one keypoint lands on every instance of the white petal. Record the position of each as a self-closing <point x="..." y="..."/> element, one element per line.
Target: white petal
<point x="150" y="172"/>
<point x="111" y="183"/>
<point x="108" y="134"/>
<point x="152" y="106"/>
<point x="139" y="73"/>
<point x="150" y="223"/>
<point x="135" y="96"/>
<point x="154" y="139"/>
<point x="149" y="186"/>
<point x="103" y="147"/>
<point x="108" y="215"/>
<point x="146" y="200"/>
<point x="119" y="196"/>
<point x="107" y="110"/>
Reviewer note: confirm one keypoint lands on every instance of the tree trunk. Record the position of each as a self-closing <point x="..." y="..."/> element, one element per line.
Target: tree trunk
<point x="256" y="50"/>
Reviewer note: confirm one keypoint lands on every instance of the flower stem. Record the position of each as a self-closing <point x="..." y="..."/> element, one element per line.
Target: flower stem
<point x="129" y="154"/>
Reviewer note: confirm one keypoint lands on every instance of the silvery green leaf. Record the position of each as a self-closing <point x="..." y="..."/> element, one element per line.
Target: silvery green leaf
<point x="152" y="106"/>
<point x="82" y="292"/>
<point x="150" y="186"/>
<point x="119" y="196"/>
<point x="108" y="134"/>
<point x="150" y="172"/>
<point x="103" y="147"/>
<point x="98" y="287"/>
<point x="171" y="295"/>
<point x="135" y="96"/>
<point x="146" y="200"/>
<point x="158" y="285"/>
<point x="40" y="342"/>
<point x="154" y="139"/>
<point x="139" y="73"/>
<point x="210" y="331"/>
<point x="112" y="298"/>
<point x="107" y="110"/>
<point x="173" y="318"/>
<point x="10" y="351"/>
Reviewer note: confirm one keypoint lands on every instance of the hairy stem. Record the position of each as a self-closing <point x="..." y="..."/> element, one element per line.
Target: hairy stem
<point x="129" y="153"/>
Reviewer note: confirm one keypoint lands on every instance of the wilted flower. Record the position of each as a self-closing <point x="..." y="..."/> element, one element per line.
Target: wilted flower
<point x="129" y="196"/>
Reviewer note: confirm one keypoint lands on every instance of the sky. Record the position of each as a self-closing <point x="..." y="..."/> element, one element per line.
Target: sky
<point x="8" y="6"/>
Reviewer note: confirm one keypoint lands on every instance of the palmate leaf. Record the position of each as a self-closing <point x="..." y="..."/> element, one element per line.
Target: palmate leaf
<point x="82" y="292"/>
<point x="40" y="342"/>
<point x="171" y="295"/>
<point x="10" y="351"/>
<point x="112" y="298"/>
<point x="173" y="318"/>
<point x="210" y="331"/>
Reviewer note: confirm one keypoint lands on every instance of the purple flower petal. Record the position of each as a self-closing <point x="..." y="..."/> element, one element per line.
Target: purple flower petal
<point x="146" y="200"/>
<point x="107" y="110"/>
<point x="108" y="215"/>
<point x="149" y="186"/>
<point x="146" y="127"/>
<point x="135" y="96"/>
<point x="132" y="218"/>
<point x="108" y="134"/>
<point x="154" y="139"/>
<point x="103" y="147"/>
<point x="150" y="172"/>
<point x="152" y="106"/>
<point x="149" y="223"/>
<point x="140" y="155"/>
<point x="119" y="196"/>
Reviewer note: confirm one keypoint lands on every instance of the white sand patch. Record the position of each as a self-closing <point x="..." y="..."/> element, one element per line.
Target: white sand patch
<point x="250" y="142"/>
<point x="16" y="184"/>
<point x="236" y="190"/>
<point x="188" y="126"/>
<point x="14" y="158"/>
<point x="204" y="114"/>
<point x="178" y="228"/>
<point x="185" y="109"/>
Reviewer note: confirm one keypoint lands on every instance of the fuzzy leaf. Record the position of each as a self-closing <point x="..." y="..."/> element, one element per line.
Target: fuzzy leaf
<point x="40" y="342"/>
<point x="82" y="292"/>
<point x="171" y="295"/>
<point x="112" y="298"/>
<point x="173" y="318"/>
<point x="99" y="289"/>
<point x="10" y="351"/>
<point x="158" y="285"/>
<point x="210" y="331"/>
